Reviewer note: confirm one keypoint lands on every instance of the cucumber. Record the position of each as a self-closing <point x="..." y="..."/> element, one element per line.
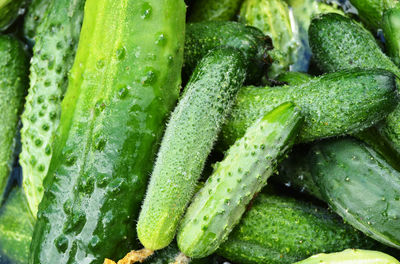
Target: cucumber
<point x="391" y="27"/>
<point x="53" y="55"/>
<point x="351" y="256"/>
<point x="273" y="19"/>
<point x="187" y="142"/>
<point x="294" y="78"/>
<point x="202" y="37"/>
<point x="16" y="228"/>
<point x="219" y="205"/>
<point x="121" y="89"/>
<point x="334" y="104"/>
<point x="14" y="66"/>
<point x="9" y="11"/>
<point x="214" y="10"/>
<point x="279" y="229"/>
<point x="33" y="18"/>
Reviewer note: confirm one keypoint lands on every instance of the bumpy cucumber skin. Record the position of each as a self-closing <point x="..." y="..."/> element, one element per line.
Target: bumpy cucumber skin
<point x="53" y="55"/>
<point x="9" y="11"/>
<point x="202" y="37"/>
<point x="272" y="18"/>
<point x="219" y="205"/>
<point x="281" y="230"/>
<point x="214" y="10"/>
<point x="122" y="86"/>
<point x="294" y="78"/>
<point x="33" y="18"/>
<point x="16" y="227"/>
<point x="188" y="140"/>
<point x="334" y="104"/>
<point x="354" y="256"/>
<point x="391" y="30"/>
<point x="14" y="66"/>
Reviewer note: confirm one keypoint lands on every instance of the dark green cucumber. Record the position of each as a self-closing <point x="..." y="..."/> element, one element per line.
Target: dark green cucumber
<point x="121" y="88"/>
<point x="353" y="256"/>
<point x="10" y="10"/>
<point x="188" y="140"/>
<point x="219" y="205"/>
<point x="16" y="228"/>
<point x="273" y="19"/>
<point x="334" y="104"/>
<point x="204" y="36"/>
<point x="391" y="30"/>
<point x="214" y="10"/>
<point x="53" y="55"/>
<point x="294" y="78"/>
<point x="14" y="66"/>
<point x="280" y="230"/>
<point x="33" y="18"/>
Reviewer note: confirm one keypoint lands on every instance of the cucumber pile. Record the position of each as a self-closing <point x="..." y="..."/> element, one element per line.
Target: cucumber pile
<point x="199" y="131"/>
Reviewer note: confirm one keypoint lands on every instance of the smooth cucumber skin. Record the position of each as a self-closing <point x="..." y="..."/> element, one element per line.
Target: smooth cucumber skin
<point x="33" y="18"/>
<point x="219" y="205"/>
<point x="14" y="67"/>
<point x="281" y="230"/>
<point x="334" y="104"/>
<point x="202" y="37"/>
<point x="53" y="55"/>
<point x="214" y="10"/>
<point x="391" y="29"/>
<point x="294" y="78"/>
<point x="191" y="132"/>
<point x="9" y="11"/>
<point x="351" y="256"/>
<point x="122" y="86"/>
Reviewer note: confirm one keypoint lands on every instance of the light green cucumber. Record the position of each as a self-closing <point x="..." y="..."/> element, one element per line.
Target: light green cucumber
<point x="53" y="55"/>
<point x="216" y="10"/>
<point x="294" y="78"/>
<point x="219" y="205"/>
<point x="34" y="17"/>
<point x="351" y="256"/>
<point x="193" y="127"/>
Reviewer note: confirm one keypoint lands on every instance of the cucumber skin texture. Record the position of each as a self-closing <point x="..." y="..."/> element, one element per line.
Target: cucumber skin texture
<point x="124" y="83"/>
<point x="214" y="10"/>
<point x="365" y="96"/>
<point x="33" y="18"/>
<point x="16" y="227"/>
<point x="9" y="11"/>
<point x="354" y="256"/>
<point x="390" y="27"/>
<point x="187" y="142"/>
<point x="272" y="18"/>
<point x="219" y="205"/>
<point x="202" y="37"/>
<point x="14" y="67"/>
<point x="53" y="55"/>
<point x="281" y="230"/>
<point x="294" y="78"/>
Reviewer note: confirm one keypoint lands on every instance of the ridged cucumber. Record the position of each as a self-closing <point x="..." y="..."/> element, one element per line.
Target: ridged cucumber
<point x="219" y="205"/>
<point x="33" y="18"/>
<point x="391" y="30"/>
<point x="121" y="88"/>
<point x="272" y="18"/>
<point x="53" y="55"/>
<point x="202" y="37"/>
<point x="9" y="11"/>
<point x="188" y="140"/>
<point x="214" y="10"/>
<point x="351" y="256"/>
<point x="14" y="66"/>
<point x="334" y="104"/>
<point x="279" y="229"/>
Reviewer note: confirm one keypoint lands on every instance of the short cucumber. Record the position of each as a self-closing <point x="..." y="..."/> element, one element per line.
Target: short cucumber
<point x="193" y="127"/>
<point x="10" y="10"/>
<point x="53" y="55"/>
<point x="279" y="229"/>
<point x="214" y="10"/>
<point x="202" y="37"/>
<point x="121" y="88"/>
<point x="273" y="19"/>
<point x="333" y="104"/>
<point x="33" y="18"/>
<point x="219" y="205"/>
<point x="14" y="70"/>
<point x="391" y="30"/>
<point x="351" y="256"/>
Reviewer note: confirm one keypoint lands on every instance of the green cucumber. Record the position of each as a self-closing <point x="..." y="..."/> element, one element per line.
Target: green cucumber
<point x="279" y="229"/>
<point x="272" y="17"/>
<point x="53" y="55"/>
<point x="351" y="256"/>
<point x="16" y="228"/>
<point x="202" y="37"/>
<point x="121" y="88"/>
<point x="391" y="29"/>
<point x="334" y="104"/>
<point x="193" y="127"/>
<point x="34" y="17"/>
<point x="219" y="205"/>
<point x="214" y="10"/>
<point x="9" y="11"/>
<point x="294" y="78"/>
<point x="14" y="66"/>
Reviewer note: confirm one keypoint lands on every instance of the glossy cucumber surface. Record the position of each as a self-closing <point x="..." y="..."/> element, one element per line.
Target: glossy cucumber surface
<point x="214" y="10"/>
<point x="10" y="10"/>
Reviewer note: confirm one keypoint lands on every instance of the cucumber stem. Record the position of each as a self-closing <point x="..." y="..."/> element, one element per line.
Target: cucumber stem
<point x="133" y="257"/>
